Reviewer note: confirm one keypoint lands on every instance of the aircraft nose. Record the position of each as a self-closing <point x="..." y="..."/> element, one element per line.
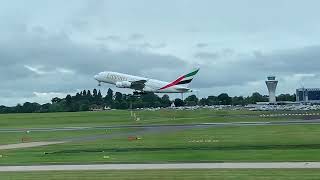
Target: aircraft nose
<point x="96" y="77"/>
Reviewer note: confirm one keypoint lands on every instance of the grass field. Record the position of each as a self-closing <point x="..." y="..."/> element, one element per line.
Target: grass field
<point x="118" y="117"/>
<point x="294" y="174"/>
<point x="246" y="144"/>
<point x="215" y="144"/>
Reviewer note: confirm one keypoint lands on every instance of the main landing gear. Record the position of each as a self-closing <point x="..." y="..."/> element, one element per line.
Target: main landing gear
<point x="138" y="93"/>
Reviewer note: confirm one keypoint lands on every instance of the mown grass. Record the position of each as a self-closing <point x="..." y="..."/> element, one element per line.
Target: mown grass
<point x="123" y="117"/>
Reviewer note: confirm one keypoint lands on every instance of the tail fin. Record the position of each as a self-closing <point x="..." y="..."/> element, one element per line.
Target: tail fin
<point x="183" y="80"/>
<point x="187" y="79"/>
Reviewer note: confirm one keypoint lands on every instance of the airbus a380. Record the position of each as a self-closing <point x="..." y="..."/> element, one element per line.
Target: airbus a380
<point x="142" y="85"/>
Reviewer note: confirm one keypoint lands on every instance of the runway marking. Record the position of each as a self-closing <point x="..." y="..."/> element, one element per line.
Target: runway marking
<point x="290" y="114"/>
<point x="274" y="165"/>
<point x="28" y="145"/>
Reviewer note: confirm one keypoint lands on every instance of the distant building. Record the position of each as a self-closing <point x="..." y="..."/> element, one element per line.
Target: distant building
<point x="272" y="85"/>
<point x="308" y="95"/>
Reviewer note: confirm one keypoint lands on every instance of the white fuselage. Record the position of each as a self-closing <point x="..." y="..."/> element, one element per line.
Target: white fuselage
<point x="151" y="85"/>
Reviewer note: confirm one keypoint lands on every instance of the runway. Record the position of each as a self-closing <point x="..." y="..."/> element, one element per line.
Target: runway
<point x="218" y="124"/>
<point x="140" y="129"/>
<point x="95" y="167"/>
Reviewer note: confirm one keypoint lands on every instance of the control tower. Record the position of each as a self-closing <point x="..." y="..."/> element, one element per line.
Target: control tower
<point x="272" y="85"/>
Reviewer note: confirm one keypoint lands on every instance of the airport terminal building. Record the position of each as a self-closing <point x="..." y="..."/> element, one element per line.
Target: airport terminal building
<point x="308" y="95"/>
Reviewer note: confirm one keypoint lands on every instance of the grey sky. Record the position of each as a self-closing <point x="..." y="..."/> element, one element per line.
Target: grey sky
<point x="50" y="48"/>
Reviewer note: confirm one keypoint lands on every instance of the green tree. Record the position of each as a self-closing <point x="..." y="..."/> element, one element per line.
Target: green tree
<point x="89" y="95"/>
<point x="238" y="100"/>
<point x="108" y="99"/>
<point x="178" y="102"/>
<point x="98" y="98"/>
<point x="191" y="100"/>
<point x="150" y="100"/>
<point x="84" y="93"/>
<point x="28" y="107"/>
<point x="165" y="101"/>
<point x="56" y="100"/>
<point x="117" y="103"/>
<point x="286" y="97"/>
<point x="212" y="100"/>
<point x="95" y="92"/>
<point x="224" y="99"/>
<point x="203" y="102"/>
<point x="118" y="97"/>
<point x="68" y="100"/>
<point x="256" y="97"/>
<point x="45" y="108"/>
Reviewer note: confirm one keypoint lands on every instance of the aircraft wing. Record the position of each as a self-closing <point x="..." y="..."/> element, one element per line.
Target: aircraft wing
<point x="138" y="85"/>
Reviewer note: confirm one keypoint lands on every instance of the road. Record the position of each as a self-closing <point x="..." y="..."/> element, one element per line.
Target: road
<point x="221" y="124"/>
<point x="275" y="165"/>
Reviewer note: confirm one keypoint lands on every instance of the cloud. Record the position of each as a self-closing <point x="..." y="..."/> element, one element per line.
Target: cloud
<point x="136" y="37"/>
<point x="36" y="70"/>
<point x="147" y="45"/>
<point x="58" y="64"/>
<point x="206" y="55"/>
<point x="291" y="66"/>
<point x="55" y="63"/>
<point x="45" y="51"/>
<point x="112" y="38"/>
<point x="40" y="70"/>
<point x="39" y="97"/>
<point x="65" y="71"/>
<point x="202" y="45"/>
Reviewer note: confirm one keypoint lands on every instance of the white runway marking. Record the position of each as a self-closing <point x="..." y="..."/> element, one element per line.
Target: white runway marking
<point x="274" y="165"/>
<point x="28" y="145"/>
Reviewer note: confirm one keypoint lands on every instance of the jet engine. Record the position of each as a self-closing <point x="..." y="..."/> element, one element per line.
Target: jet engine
<point x="123" y="84"/>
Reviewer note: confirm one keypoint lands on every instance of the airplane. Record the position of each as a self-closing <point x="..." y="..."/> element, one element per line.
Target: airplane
<point x="142" y="85"/>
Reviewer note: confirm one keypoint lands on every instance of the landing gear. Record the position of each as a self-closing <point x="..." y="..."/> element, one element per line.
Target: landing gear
<point x="138" y="93"/>
<point x="99" y="84"/>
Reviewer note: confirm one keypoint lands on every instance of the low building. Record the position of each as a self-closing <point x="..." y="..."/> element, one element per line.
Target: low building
<point x="308" y="95"/>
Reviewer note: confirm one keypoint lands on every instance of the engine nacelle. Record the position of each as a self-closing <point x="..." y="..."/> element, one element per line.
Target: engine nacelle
<point x="123" y="84"/>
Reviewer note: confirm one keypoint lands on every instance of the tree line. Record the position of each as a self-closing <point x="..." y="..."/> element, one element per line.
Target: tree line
<point x="86" y="100"/>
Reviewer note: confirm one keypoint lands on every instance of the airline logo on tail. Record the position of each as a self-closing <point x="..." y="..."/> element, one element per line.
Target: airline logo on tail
<point x="185" y="79"/>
